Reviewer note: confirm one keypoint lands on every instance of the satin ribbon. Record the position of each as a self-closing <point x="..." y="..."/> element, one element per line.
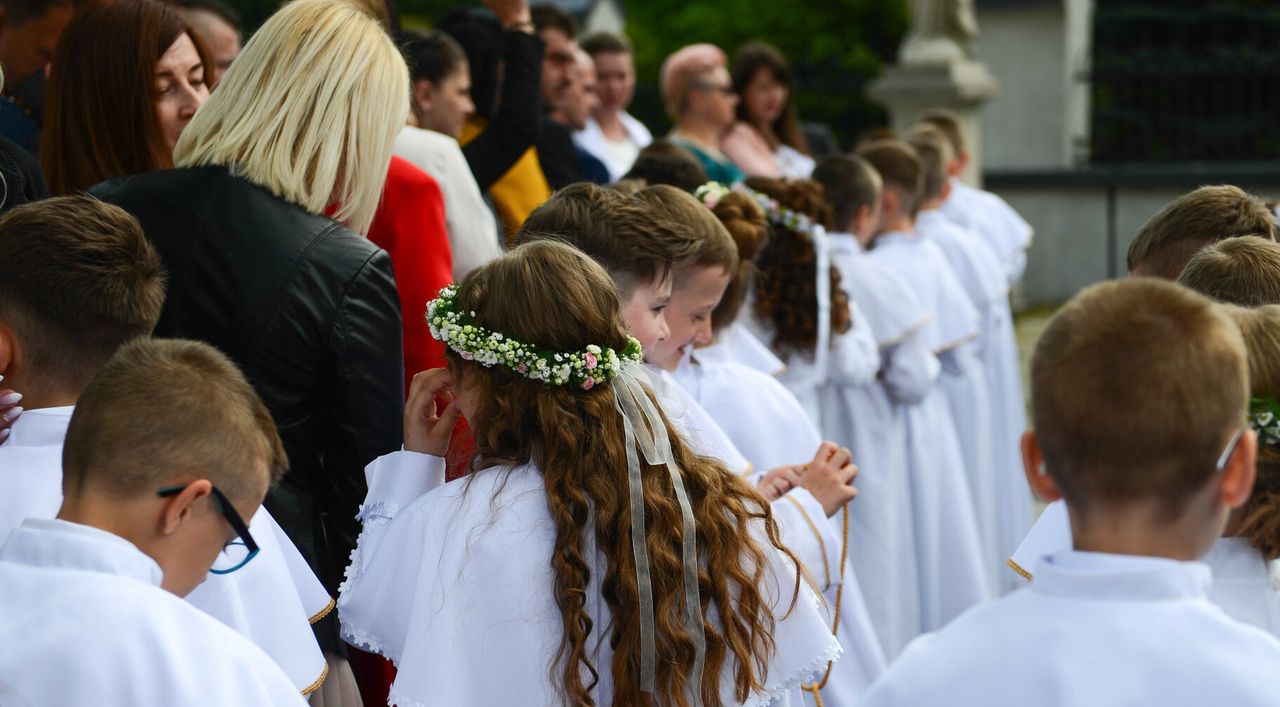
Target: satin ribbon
<point x="646" y="433"/>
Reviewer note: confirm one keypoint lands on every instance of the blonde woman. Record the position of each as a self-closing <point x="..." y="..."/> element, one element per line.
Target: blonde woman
<point x="302" y="122"/>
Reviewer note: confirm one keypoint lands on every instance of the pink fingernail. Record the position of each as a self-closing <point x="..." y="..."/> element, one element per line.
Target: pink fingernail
<point x="4" y="434"/>
<point x="10" y="399"/>
<point x="12" y="414"/>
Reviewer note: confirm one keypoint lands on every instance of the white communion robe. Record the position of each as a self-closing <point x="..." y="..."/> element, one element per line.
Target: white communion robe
<point x="272" y="600"/>
<point x="1000" y="483"/>
<point x="953" y="571"/>
<point x="453" y="583"/>
<point x="1095" y="630"/>
<point x="736" y="343"/>
<point x="1245" y="584"/>
<point x="86" y="623"/>
<point x="766" y="422"/>
<point x="871" y="419"/>
<point x="992" y="218"/>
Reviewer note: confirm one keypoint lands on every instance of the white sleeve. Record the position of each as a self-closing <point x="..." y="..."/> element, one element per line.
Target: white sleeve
<point x="473" y="232"/>
<point x="855" y="356"/>
<point x="378" y="594"/>
<point x="910" y="370"/>
<point x="808" y="533"/>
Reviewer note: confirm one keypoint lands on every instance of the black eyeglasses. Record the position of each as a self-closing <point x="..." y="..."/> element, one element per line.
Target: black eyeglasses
<point x="1231" y="448"/>
<point x="726" y="90"/>
<point x="237" y="553"/>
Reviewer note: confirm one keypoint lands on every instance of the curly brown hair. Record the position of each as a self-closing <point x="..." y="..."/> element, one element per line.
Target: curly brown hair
<point x="786" y="293"/>
<point x="551" y="295"/>
<point x="744" y="220"/>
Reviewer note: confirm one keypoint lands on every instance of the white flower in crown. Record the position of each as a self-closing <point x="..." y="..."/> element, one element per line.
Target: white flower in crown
<point x="793" y="221"/>
<point x="585" y="369"/>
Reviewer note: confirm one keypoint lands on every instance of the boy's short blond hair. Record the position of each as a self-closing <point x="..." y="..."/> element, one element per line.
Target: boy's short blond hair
<point x="163" y="407"/>
<point x="1164" y="244"/>
<point x="934" y="153"/>
<point x="899" y="169"/>
<point x="1243" y="271"/>
<point x="1136" y="386"/>
<point x="678" y="206"/>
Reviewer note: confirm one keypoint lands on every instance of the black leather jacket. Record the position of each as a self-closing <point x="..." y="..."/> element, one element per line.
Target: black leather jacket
<point x="309" y="311"/>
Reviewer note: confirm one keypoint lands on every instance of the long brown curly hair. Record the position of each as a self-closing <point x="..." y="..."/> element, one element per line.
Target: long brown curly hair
<point x="786" y="293"/>
<point x="744" y="220"/>
<point x="1260" y="518"/>
<point x="550" y="295"/>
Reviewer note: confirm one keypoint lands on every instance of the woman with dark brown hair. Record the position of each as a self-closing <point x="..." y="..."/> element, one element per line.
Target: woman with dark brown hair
<point x="126" y="79"/>
<point x="767" y="140"/>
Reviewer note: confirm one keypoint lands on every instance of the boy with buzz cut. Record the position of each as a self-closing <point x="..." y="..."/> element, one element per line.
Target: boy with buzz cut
<point x="78" y="280"/>
<point x="1164" y="244"/>
<point x="1138" y="396"/>
<point x="168" y="452"/>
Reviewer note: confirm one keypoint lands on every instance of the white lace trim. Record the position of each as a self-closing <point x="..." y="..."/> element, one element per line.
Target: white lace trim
<point x="365" y="641"/>
<point x="378" y="512"/>
<point x="833" y="651"/>
<point x="397" y="698"/>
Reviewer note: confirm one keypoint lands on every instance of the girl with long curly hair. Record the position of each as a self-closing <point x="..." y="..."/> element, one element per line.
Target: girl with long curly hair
<point x="589" y="539"/>
<point x="799" y="305"/>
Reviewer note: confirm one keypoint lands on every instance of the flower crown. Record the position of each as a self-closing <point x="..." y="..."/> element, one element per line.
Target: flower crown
<point x="1264" y="417"/>
<point x="711" y="193"/>
<point x="584" y="369"/>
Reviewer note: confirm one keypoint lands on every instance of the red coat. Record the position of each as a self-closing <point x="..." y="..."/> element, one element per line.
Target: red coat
<point x="410" y="226"/>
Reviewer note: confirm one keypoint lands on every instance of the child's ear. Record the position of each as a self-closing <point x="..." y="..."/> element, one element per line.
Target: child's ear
<point x="1038" y="478"/>
<point x="178" y="508"/>
<point x="1237" y="478"/>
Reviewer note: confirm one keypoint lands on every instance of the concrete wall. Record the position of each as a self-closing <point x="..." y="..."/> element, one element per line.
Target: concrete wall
<point x="1070" y="247"/>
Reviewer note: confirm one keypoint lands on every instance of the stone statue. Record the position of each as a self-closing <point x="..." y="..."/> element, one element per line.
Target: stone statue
<point x="942" y="31"/>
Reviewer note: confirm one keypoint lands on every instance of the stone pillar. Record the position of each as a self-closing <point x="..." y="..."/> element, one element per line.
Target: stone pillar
<point x="937" y="69"/>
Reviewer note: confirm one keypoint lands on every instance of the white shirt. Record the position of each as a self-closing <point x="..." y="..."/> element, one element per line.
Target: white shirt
<point x="473" y="232"/>
<point x="85" y="622"/>
<point x="453" y="583"/>
<point x="992" y="218"/>
<point x="617" y="156"/>
<point x="1245" y="585"/>
<point x="271" y="601"/>
<point x="1095" y="630"/>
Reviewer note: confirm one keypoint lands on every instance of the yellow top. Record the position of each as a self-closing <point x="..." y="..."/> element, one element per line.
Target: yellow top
<point x="521" y="190"/>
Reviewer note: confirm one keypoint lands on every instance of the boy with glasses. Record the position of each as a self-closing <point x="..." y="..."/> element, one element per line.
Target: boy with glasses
<point x="78" y="281"/>
<point x="167" y="451"/>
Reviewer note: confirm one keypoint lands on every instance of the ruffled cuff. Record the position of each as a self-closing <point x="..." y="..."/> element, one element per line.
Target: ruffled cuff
<point x="398" y="479"/>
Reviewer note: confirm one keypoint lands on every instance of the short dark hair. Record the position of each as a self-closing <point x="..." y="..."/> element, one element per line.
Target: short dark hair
<point x="900" y="169"/>
<point x="22" y="11"/>
<point x="547" y="17"/>
<point x="848" y="184"/>
<point x="431" y="56"/>
<point x="78" y="279"/>
<point x="217" y="8"/>
<point x="605" y="43"/>
<point x="664" y="162"/>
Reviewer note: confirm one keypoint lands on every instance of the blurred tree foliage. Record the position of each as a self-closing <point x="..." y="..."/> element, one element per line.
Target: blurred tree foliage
<point x="835" y="46"/>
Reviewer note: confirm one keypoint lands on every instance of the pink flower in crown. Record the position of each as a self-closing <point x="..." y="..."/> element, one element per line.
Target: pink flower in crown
<point x="588" y="384"/>
<point x="592" y="361"/>
<point x="522" y="369"/>
<point x="467" y="356"/>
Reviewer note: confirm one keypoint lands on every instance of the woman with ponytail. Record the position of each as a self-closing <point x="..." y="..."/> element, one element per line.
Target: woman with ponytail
<point x="588" y="539"/>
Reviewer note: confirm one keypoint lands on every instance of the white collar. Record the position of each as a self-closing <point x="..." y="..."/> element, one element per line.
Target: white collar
<point x="60" y="544"/>
<point x="41" y="427"/>
<point x="842" y="242"/>
<point x="1236" y="560"/>
<point x="1103" y="576"/>
<point x="891" y="237"/>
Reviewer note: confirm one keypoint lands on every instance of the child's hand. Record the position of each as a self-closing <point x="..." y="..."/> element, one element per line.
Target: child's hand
<point x="426" y="428"/>
<point x="777" y="482"/>
<point x="829" y="477"/>
<point x="9" y="410"/>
